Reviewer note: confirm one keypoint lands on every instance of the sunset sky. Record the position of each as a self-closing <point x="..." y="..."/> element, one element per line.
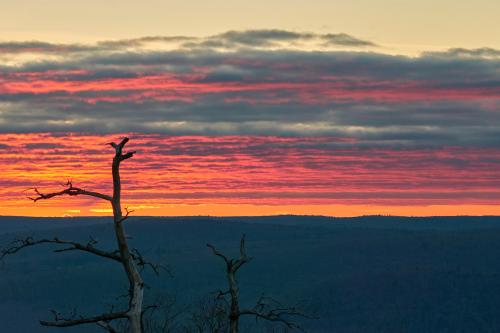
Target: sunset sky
<point x="253" y="108"/>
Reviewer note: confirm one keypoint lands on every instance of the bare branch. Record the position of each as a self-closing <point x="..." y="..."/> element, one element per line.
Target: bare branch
<point x="107" y="326"/>
<point x="71" y="191"/>
<point x="271" y="310"/>
<point x="142" y="263"/>
<point x="119" y="150"/>
<point x="20" y="244"/>
<point x="127" y="214"/>
<point x="218" y="253"/>
<point x="276" y="315"/>
<point x="243" y="255"/>
<point x="60" y="321"/>
<point x="221" y="294"/>
<point x="127" y="155"/>
<point x="118" y="147"/>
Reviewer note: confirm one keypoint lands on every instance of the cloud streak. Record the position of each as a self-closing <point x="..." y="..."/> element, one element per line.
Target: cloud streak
<point x="171" y="171"/>
<point x="253" y="83"/>
<point x="258" y="39"/>
<point x="287" y="121"/>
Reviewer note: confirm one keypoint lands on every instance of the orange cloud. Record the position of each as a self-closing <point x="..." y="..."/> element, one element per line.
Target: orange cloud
<point x="239" y="175"/>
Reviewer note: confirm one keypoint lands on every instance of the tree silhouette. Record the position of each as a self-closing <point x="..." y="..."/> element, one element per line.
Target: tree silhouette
<point x="131" y="260"/>
<point x="266" y="307"/>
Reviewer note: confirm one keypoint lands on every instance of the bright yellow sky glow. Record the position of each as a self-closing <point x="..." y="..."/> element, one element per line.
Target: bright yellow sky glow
<point x="399" y="26"/>
<point x="31" y="209"/>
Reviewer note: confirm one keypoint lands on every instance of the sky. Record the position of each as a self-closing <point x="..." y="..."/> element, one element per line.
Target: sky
<point x="236" y="108"/>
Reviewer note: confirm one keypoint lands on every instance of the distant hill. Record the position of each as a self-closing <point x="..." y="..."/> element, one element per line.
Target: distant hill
<point x="365" y="274"/>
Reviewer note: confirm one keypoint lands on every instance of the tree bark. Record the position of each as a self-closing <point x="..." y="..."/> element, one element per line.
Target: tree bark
<point x="136" y="284"/>
<point x="234" y="313"/>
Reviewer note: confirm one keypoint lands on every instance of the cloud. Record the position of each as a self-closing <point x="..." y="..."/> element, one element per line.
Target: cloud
<point x="371" y="98"/>
<point x="42" y="47"/>
<point x="170" y="170"/>
<point x="262" y="38"/>
<point x="274" y="38"/>
<point x="42" y="146"/>
<point x="138" y="42"/>
<point x="484" y="52"/>
<point x="346" y="40"/>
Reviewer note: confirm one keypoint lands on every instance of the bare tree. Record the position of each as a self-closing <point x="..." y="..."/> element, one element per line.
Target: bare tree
<point x="266" y="308"/>
<point x="131" y="260"/>
<point x="164" y="316"/>
<point x="208" y="316"/>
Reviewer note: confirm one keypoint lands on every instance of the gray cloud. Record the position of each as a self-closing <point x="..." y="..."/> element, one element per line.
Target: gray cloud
<point x="346" y="40"/>
<point x="373" y="98"/>
<point x="228" y="40"/>
<point x="43" y="145"/>
<point x="43" y="47"/>
<point x="484" y="52"/>
<point x="273" y="38"/>
<point x="262" y="37"/>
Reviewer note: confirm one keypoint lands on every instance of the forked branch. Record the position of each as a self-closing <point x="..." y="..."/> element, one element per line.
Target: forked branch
<point x="73" y="320"/>
<point x="271" y="310"/>
<point x="119" y="150"/>
<point x="233" y="264"/>
<point x="141" y="262"/>
<point x="20" y="244"/>
<point x="69" y="190"/>
<point x="126" y="216"/>
<point x="107" y="326"/>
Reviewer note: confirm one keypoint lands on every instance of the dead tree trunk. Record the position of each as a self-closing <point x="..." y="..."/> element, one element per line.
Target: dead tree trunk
<point x="136" y="284"/>
<point x="232" y="266"/>
<point x="235" y="307"/>
<point x="130" y="259"/>
<point x="266" y="308"/>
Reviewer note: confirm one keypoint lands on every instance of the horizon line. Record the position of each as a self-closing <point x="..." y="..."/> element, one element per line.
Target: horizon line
<point x="250" y="216"/>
